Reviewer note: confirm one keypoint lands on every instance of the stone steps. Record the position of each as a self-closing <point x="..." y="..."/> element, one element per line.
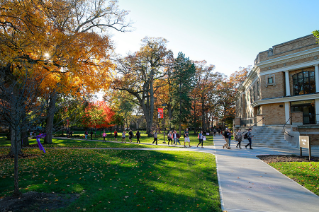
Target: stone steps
<point x="269" y="136"/>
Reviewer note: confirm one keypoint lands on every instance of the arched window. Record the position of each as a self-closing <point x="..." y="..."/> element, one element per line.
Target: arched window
<point x="304" y="82"/>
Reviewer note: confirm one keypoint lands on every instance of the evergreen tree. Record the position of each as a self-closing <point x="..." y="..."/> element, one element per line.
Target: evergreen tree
<point x="183" y="83"/>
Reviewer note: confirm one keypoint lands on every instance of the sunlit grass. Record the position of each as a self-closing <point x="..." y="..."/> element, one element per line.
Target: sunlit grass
<point x="119" y="180"/>
<point x="305" y="173"/>
<point x="145" y="139"/>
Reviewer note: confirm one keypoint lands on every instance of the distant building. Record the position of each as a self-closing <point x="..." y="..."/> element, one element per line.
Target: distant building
<point x="283" y="88"/>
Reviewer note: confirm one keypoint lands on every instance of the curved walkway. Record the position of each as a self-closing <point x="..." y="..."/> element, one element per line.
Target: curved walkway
<point x="246" y="183"/>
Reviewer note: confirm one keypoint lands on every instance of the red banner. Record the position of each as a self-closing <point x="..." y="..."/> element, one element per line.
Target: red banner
<point x="160" y="114"/>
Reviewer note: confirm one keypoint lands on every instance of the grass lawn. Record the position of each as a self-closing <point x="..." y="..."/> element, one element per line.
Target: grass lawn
<point x="84" y="144"/>
<point x="145" y="139"/>
<point x="305" y="173"/>
<point x="119" y="180"/>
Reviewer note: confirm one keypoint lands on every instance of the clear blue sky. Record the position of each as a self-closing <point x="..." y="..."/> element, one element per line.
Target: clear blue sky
<point x="225" y="33"/>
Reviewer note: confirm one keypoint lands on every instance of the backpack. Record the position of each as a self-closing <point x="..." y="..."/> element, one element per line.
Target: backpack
<point x="245" y="136"/>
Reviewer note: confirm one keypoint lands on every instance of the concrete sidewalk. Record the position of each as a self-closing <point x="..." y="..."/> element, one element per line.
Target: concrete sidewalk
<point x="248" y="184"/>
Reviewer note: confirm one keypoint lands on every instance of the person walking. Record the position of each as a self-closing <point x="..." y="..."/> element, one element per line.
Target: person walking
<point x="226" y="139"/>
<point x="130" y="135"/>
<point x="186" y="138"/>
<point x="200" y="138"/>
<point x="174" y="137"/>
<point x="138" y="137"/>
<point x="155" y="137"/>
<point x="86" y="134"/>
<point x="104" y="135"/>
<point x="249" y="136"/>
<point x="123" y="137"/>
<point x="115" y="135"/>
<point x="91" y="135"/>
<point x="169" y="137"/>
<point x="177" y="138"/>
<point x="238" y="138"/>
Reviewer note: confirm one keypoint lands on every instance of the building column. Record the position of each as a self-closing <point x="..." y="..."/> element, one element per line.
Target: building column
<point x="287" y="114"/>
<point x="317" y="78"/>
<point x="317" y="110"/>
<point x="287" y="83"/>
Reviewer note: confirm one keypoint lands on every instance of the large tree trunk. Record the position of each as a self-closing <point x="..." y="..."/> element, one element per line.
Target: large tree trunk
<point x="24" y="133"/>
<point x="16" y="191"/>
<point x="49" y="121"/>
<point x="15" y="142"/>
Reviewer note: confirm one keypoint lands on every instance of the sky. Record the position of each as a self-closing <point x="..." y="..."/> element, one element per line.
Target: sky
<point x="226" y="33"/>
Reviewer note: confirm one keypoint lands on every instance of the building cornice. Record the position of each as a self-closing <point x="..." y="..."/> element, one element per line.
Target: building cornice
<point x="291" y="68"/>
<point x="289" y="58"/>
<point x="285" y="99"/>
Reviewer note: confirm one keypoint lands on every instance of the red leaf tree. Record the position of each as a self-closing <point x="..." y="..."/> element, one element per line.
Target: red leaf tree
<point x="98" y="115"/>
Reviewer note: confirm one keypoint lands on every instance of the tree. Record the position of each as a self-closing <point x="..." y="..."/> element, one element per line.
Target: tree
<point x="65" y="40"/>
<point x="60" y="45"/>
<point x="184" y="80"/>
<point x="205" y="89"/>
<point x="98" y="115"/>
<point x="139" y="71"/>
<point x="227" y="93"/>
<point x="20" y="107"/>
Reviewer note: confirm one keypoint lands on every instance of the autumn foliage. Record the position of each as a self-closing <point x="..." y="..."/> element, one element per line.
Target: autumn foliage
<point x="98" y="115"/>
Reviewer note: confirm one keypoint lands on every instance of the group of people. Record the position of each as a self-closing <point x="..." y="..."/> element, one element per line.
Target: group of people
<point x="238" y="137"/>
<point x="173" y="138"/>
<point x="130" y="136"/>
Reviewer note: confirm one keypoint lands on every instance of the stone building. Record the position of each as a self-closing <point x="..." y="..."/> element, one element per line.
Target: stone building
<point x="282" y="90"/>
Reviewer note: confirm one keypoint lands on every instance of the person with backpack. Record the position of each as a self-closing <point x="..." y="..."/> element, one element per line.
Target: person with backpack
<point x="130" y="135"/>
<point x="200" y="138"/>
<point x="177" y="138"/>
<point x="226" y="137"/>
<point x="238" y="138"/>
<point x="138" y="135"/>
<point x="249" y="136"/>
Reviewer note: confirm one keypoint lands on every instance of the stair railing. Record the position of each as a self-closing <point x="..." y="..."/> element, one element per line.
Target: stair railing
<point x="284" y="128"/>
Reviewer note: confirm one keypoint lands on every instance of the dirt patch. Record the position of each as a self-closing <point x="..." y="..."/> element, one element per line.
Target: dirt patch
<point x="34" y="201"/>
<point x="286" y="158"/>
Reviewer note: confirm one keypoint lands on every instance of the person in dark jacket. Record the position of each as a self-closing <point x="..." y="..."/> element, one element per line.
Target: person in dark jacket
<point x="138" y="135"/>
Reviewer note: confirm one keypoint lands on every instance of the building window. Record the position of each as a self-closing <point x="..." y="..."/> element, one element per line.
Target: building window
<point x="270" y="80"/>
<point x="304" y="83"/>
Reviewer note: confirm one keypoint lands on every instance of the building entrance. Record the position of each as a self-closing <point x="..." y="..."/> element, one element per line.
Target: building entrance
<point x="308" y="109"/>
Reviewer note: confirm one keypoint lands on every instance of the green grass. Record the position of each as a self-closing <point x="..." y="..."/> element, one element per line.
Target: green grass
<point x="76" y="143"/>
<point x="145" y="139"/>
<point x="305" y="173"/>
<point x="119" y="180"/>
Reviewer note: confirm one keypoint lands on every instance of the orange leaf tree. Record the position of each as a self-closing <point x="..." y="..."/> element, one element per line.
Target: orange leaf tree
<point x="98" y="115"/>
